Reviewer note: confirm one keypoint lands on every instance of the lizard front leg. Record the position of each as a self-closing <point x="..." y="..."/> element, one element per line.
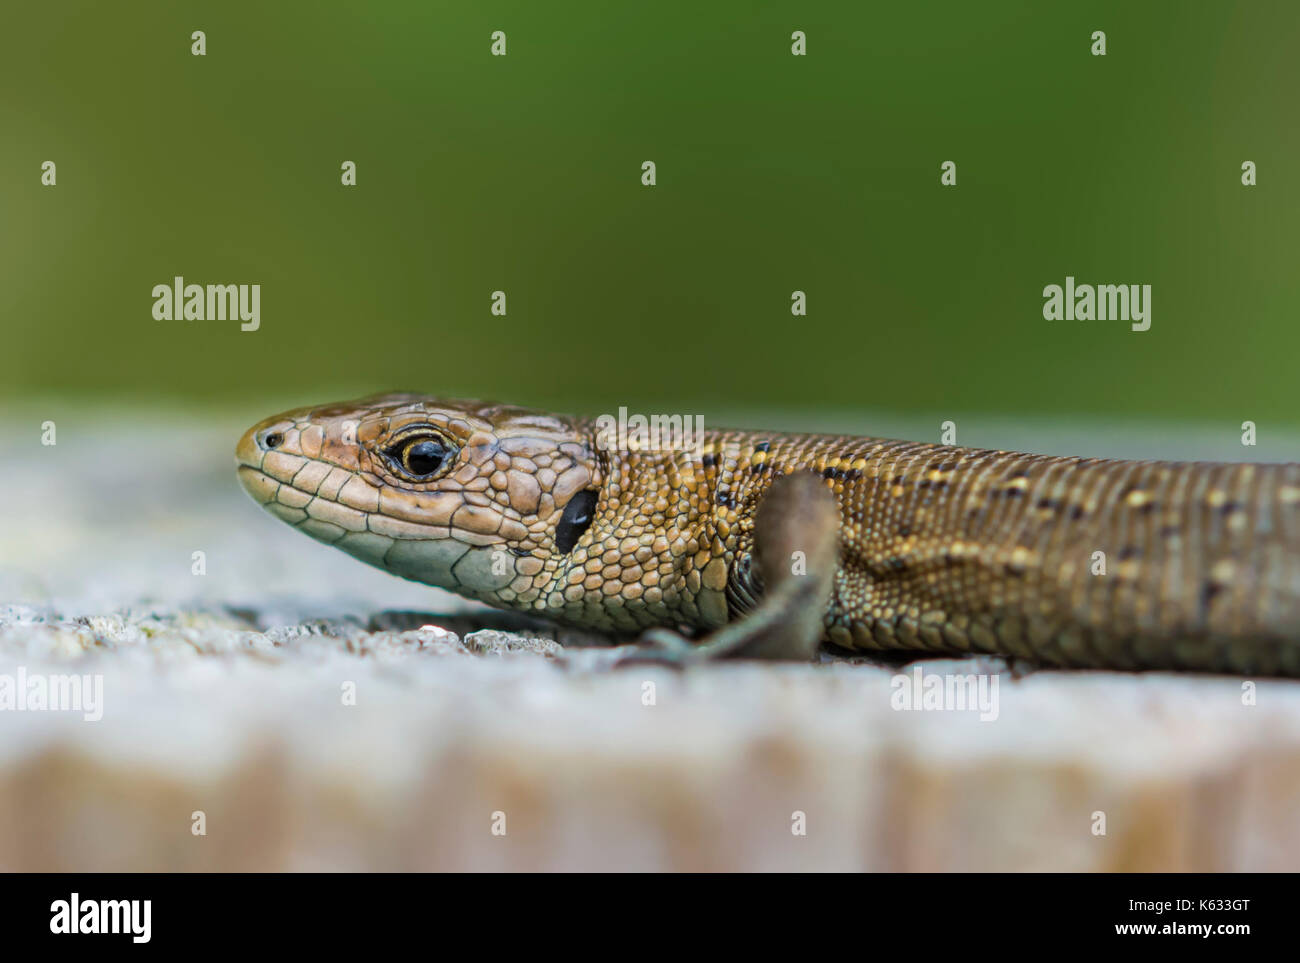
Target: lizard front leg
<point x="796" y="547"/>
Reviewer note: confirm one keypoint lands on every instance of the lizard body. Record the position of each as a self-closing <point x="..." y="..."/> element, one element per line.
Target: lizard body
<point x="932" y="549"/>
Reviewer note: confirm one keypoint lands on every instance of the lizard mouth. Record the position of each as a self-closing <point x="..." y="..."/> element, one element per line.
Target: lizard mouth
<point x="298" y="489"/>
<point x="435" y="555"/>
<point x="319" y="517"/>
<point x="282" y="463"/>
<point x="260" y="486"/>
<point x="264" y="482"/>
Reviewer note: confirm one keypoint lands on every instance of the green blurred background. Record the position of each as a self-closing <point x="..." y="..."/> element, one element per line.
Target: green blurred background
<point x="775" y="173"/>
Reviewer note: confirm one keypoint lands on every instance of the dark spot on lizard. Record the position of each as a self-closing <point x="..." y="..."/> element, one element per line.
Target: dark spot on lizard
<point x="575" y="520"/>
<point x="1208" y="593"/>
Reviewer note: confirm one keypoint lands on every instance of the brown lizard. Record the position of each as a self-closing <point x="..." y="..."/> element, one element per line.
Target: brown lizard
<point x="767" y="544"/>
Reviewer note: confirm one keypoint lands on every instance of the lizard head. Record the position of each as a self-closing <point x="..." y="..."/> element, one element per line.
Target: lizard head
<point x="485" y="500"/>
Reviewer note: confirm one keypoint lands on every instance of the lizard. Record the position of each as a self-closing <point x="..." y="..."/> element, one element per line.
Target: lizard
<point x="768" y="545"/>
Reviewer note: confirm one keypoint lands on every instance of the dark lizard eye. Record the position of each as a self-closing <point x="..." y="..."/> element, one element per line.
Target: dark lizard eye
<point x="421" y="457"/>
<point x="575" y="520"/>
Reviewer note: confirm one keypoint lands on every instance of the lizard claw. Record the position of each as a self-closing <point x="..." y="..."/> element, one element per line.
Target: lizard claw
<point x="659" y="647"/>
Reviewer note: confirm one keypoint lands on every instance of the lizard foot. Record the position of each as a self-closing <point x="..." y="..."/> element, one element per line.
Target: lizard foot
<point x="660" y="647"/>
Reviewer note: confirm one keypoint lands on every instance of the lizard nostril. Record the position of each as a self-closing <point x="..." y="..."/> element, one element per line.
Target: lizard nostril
<point x="273" y="440"/>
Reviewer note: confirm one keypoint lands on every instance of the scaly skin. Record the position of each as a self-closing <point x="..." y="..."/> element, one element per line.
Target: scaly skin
<point x="941" y="549"/>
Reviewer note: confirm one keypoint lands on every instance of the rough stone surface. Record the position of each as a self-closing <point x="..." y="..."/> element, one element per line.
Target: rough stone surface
<point x="321" y="715"/>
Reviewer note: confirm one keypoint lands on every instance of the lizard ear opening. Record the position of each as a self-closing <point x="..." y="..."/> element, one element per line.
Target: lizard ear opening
<point x="575" y="520"/>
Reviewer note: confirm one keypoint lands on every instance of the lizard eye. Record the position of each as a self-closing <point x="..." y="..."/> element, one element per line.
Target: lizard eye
<point x="422" y="456"/>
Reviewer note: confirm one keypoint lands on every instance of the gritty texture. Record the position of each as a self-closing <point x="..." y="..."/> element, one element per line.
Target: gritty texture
<point x="223" y="694"/>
